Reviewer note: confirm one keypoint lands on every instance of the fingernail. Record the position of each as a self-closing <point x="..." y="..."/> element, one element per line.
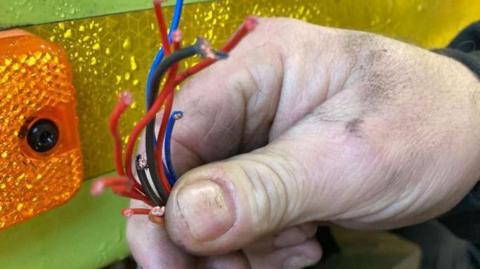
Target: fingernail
<point x="297" y="262"/>
<point x="206" y="209"/>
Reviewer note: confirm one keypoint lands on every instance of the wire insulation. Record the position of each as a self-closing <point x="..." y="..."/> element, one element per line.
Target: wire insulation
<point x="124" y="100"/>
<point x="155" y="171"/>
<point x="177" y="14"/>
<point x="155" y="164"/>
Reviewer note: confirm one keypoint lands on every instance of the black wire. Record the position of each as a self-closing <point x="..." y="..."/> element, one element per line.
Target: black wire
<point x="150" y="138"/>
<point x="168" y="62"/>
<point x="147" y="188"/>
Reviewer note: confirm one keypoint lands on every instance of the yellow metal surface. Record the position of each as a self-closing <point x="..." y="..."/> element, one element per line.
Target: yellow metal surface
<point x="35" y="83"/>
<point x="113" y="53"/>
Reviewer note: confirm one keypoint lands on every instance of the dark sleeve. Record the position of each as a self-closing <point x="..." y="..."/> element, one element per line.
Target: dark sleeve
<point x="464" y="219"/>
<point x="466" y="48"/>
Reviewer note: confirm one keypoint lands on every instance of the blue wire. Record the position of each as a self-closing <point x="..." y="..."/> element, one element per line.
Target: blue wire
<point x="171" y="175"/>
<point x="169" y="170"/>
<point x="159" y="57"/>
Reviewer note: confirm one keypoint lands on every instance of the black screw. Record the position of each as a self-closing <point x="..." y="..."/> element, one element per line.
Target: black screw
<point x="43" y="135"/>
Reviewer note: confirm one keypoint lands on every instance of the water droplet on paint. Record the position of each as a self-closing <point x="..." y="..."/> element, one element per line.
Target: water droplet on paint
<point x="126" y="43"/>
<point x="133" y="63"/>
<point x="68" y="33"/>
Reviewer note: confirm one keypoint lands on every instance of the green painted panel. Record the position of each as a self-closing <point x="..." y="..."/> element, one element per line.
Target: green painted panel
<point x="85" y="233"/>
<point x="31" y="12"/>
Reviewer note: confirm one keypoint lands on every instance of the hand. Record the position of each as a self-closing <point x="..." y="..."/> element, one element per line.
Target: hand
<point x="305" y="124"/>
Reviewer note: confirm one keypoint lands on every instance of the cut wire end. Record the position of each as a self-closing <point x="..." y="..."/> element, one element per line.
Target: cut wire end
<point x="177" y="115"/>
<point x="206" y="50"/>
<point x="158" y="211"/>
<point x="126" y="98"/>
<point x="156" y="214"/>
<point x="250" y="23"/>
<point x="177" y="36"/>
<point x="98" y="187"/>
<point x="142" y="162"/>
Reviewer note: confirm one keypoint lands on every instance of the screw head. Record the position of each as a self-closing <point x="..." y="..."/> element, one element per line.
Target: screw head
<point x="43" y="135"/>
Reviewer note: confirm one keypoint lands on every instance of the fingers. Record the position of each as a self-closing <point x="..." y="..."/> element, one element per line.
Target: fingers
<point x="151" y="247"/>
<point x="236" y="260"/>
<point x="295" y="235"/>
<point x="291" y="248"/>
<point x="268" y="83"/>
<point x="294" y="257"/>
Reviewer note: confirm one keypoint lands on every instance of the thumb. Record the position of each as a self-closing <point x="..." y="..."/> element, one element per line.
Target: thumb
<point x="224" y="206"/>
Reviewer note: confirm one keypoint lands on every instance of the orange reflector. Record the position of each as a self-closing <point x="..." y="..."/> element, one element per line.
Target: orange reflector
<point x="40" y="158"/>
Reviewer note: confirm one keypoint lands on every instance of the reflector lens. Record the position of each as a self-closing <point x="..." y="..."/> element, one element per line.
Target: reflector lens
<point x="40" y="158"/>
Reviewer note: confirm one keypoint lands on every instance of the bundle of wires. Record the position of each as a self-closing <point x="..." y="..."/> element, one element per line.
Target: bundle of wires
<point x="155" y="174"/>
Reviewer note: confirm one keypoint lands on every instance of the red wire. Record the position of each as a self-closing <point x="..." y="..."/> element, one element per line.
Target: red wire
<point x="126" y="192"/>
<point x="169" y="87"/>
<point x="157" y="105"/>
<point x="162" y="26"/>
<point x="135" y="211"/>
<point x="109" y="181"/>
<point x="166" y="114"/>
<point x="124" y="101"/>
<point x="161" y="135"/>
<point x="247" y="26"/>
<point x="119" y="185"/>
